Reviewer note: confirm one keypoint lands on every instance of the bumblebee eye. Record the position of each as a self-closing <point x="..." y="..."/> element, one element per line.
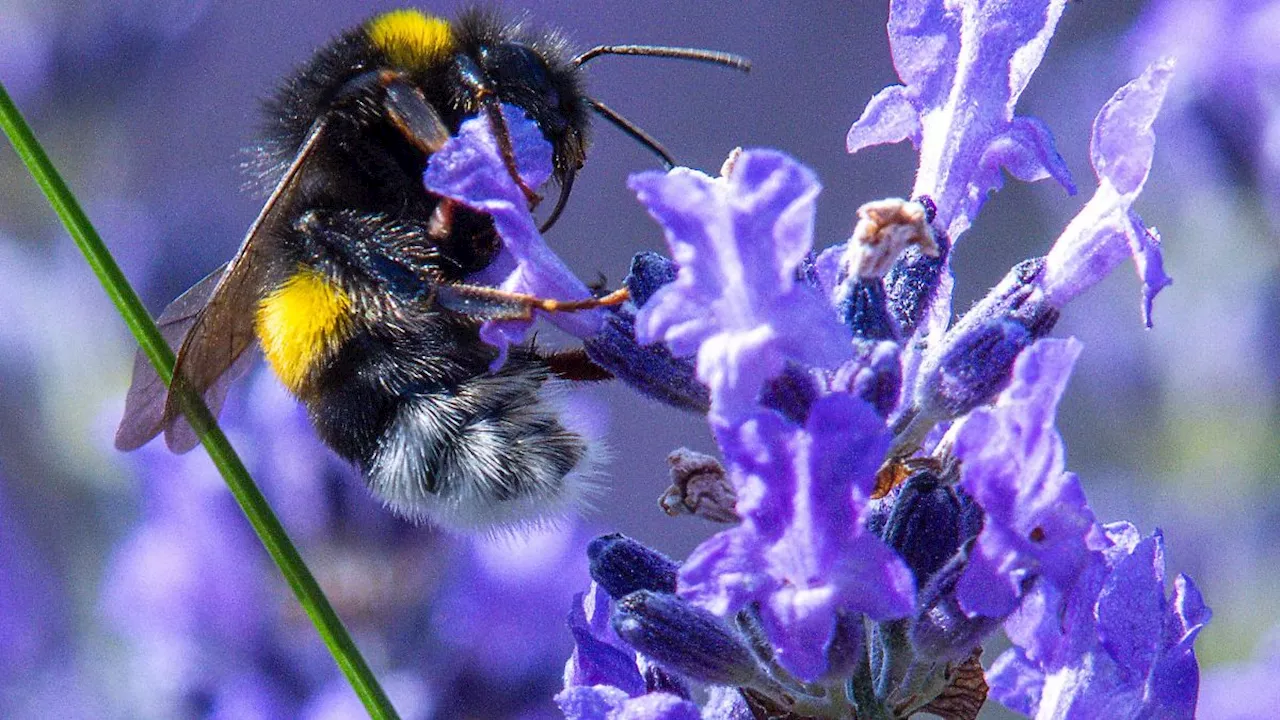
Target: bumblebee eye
<point x="516" y="65"/>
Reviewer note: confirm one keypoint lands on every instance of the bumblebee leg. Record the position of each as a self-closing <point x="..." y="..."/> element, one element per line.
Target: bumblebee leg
<point x="475" y="79"/>
<point x="396" y="254"/>
<point x="574" y="364"/>
<point x="441" y="223"/>
<point x="490" y="303"/>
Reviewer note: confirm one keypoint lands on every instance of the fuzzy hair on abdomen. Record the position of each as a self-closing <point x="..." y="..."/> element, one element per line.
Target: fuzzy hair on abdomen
<point x="496" y="451"/>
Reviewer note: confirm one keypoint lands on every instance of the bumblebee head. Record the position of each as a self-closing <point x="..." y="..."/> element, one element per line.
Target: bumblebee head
<point x="539" y="79"/>
<point x="479" y="58"/>
<point x="394" y="89"/>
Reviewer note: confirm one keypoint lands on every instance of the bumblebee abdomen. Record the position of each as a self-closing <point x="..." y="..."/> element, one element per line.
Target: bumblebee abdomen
<point x="494" y="450"/>
<point x="301" y="323"/>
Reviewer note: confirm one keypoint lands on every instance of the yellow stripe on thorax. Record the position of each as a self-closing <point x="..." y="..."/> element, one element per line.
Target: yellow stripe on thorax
<point x="300" y="323"/>
<point x="411" y="39"/>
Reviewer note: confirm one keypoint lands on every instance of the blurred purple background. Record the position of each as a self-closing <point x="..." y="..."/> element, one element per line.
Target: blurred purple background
<point x="146" y="105"/>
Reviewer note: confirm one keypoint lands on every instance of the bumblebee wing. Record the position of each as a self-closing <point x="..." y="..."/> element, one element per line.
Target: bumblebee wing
<point x="222" y="329"/>
<point x="144" y="405"/>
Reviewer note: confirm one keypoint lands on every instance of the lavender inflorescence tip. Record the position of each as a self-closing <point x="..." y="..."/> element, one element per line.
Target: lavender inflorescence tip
<point x="901" y="488"/>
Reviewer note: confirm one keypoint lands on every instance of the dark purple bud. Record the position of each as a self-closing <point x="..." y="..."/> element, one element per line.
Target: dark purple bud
<point x="650" y="369"/>
<point x="976" y="359"/>
<point x="976" y="367"/>
<point x="684" y="639"/>
<point x="649" y="271"/>
<point x="911" y="284"/>
<point x="864" y="307"/>
<point x="623" y="566"/>
<point x="928" y="523"/>
<point x="874" y="374"/>
<point x="791" y="393"/>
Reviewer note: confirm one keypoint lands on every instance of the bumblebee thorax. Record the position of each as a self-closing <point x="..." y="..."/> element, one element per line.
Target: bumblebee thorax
<point x="412" y="40"/>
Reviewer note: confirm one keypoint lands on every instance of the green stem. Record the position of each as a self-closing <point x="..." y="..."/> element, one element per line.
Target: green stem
<point x="255" y="507"/>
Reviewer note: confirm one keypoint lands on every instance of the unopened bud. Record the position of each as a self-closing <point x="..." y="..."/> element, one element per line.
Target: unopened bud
<point x="684" y="639"/>
<point x="622" y="566"/>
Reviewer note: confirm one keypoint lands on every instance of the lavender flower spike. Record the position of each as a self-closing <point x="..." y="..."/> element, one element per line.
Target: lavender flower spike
<point x="964" y="64"/>
<point x="469" y="169"/>
<point x="1106" y="230"/>
<point x="735" y="302"/>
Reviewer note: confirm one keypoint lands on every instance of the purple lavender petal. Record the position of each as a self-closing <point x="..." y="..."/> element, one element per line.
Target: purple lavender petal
<point x="1175" y="675"/>
<point x="1131" y="608"/>
<point x="1106" y="231"/>
<point x="1134" y="657"/>
<point x="469" y="169"/>
<point x="1148" y="260"/>
<point x="1012" y="465"/>
<point x="735" y="301"/>
<point x="595" y="661"/>
<point x="801" y="550"/>
<point x="964" y="65"/>
<point x="890" y="117"/>
<point x="602" y="702"/>
<point x="1026" y="151"/>
<point x="727" y="571"/>
<point x="1016" y="681"/>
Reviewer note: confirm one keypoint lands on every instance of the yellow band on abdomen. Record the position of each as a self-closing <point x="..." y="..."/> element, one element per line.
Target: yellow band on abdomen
<point x="300" y="323"/>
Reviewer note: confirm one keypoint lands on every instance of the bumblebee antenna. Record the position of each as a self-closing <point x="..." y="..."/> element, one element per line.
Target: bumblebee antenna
<point x="714" y="57"/>
<point x="736" y="62"/>
<point x="633" y="130"/>
<point x="626" y="126"/>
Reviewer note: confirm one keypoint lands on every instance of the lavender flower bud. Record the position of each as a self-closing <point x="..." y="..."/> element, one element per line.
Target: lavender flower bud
<point x="864" y="307"/>
<point x="649" y="271"/>
<point x="911" y="283"/>
<point x="650" y="369"/>
<point x="791" y="393"/>
<point x="684" y="639"/>
<point x="874" y="374"/>
<point x="622" y="566"/>
<point x="928" y="523"/>
<point x="976" y="359"/>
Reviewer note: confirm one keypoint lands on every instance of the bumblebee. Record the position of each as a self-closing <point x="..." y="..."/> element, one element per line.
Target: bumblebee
<point x="336" y="277"/>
